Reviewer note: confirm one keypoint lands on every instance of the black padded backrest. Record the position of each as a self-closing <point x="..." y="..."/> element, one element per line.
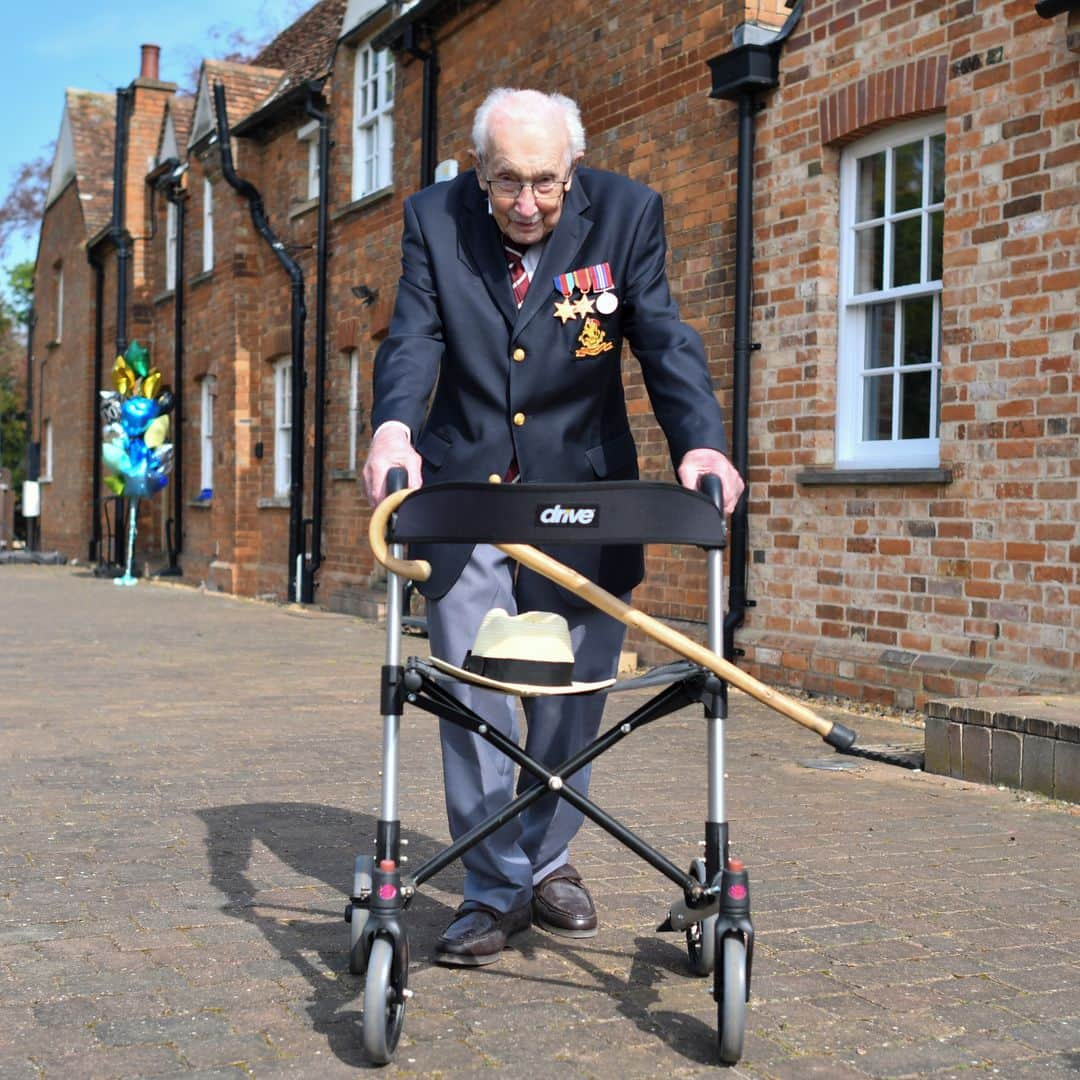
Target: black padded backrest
<point x="629" y="512"/>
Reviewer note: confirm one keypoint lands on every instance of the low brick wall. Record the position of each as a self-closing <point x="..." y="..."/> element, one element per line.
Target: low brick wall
<point x="1031" y="743"/>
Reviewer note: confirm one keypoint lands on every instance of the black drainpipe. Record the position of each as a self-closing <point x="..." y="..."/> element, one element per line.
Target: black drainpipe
<point x="322" y="254"/>
<point x="122" y="243"/>
<point x="429" y="124"/>
<point x="298" y="315"/>
<point x="95" y="403"/>
<point x="174" y="527"/>
<point x="119" y="235"/>
<point x="740" y="75"/>
<point x="33" y="450"/>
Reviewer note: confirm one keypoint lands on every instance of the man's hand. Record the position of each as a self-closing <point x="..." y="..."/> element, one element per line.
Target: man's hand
<point x="703" y="462"/>
<point x="391" y="447"/>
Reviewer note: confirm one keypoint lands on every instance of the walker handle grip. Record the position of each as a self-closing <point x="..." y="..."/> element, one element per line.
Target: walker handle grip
<point x="396" y="479"/>
<point x="712" y="487"/>
<point x="411" y="570"/>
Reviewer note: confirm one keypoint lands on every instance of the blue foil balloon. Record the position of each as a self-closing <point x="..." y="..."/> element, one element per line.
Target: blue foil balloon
<point x="116" y="458"/>
<point x="137" y="413"/>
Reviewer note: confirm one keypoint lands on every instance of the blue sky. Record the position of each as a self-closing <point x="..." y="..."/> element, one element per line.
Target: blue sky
<point x="53" y="44"/>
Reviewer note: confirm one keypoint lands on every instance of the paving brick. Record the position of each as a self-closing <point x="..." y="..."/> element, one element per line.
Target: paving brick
<point x="205" y="937"/>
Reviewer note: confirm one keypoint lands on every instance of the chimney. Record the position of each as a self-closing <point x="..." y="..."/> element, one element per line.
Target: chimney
<point x="150" y="57"/>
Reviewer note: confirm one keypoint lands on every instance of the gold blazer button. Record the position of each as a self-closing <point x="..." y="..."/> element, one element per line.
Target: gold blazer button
<point x="518" y="355"/>
<point x="519" y="418"/>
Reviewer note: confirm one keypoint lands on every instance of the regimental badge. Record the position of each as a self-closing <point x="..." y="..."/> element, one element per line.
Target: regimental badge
<point x="593" y="340"/>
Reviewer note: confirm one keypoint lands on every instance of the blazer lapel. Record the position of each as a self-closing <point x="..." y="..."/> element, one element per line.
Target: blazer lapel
<point x="565" y="241"/>
<point x="480" y="247"/>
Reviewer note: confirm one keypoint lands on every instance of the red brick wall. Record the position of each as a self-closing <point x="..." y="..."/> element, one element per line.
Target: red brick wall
<point x="886" y="592"/>
<point x="897" y="593"/>
<point x="63" y="377"/>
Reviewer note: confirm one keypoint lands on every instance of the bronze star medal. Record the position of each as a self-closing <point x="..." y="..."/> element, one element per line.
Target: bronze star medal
<point x="583" y="306"/>
<point x="564" y="308"/>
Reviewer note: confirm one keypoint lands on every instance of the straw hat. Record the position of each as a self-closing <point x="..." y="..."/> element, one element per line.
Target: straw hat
<point x="529" y="655"/>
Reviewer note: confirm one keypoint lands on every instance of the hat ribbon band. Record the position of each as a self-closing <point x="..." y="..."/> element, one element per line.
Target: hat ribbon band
<point x="524" y="672"/>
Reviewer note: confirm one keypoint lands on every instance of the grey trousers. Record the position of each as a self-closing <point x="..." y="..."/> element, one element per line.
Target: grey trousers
<point x="501" y="870"/>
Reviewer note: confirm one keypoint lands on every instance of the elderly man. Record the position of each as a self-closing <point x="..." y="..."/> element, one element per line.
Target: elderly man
<point x="520" y="281"/>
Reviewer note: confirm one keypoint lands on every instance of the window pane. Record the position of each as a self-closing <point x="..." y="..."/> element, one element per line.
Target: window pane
<point x="937" y="225"/>
<point x="869" y="259"/>
<point x="907" y="251"/>
<point x="880" y="334"/>
<point x="877" y="407"/>
<point x="937" y="168"/>
<point x="915" y="405"/>
<point x="870" y="201"/>
<point x="917" y="345"/>
<point x="907" y="177"/>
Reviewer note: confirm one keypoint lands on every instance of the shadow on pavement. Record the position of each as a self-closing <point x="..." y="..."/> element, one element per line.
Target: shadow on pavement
<point x="318" y="842"/>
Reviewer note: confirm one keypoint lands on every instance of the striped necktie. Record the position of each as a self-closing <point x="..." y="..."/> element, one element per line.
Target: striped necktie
<point x="518" y="278"/>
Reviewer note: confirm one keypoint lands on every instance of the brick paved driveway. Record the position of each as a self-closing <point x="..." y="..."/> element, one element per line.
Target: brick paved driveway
<point x="185" y="780"/>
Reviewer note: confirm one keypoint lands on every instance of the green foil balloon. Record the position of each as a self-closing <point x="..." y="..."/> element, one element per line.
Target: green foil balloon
<point x="138" y="359"/>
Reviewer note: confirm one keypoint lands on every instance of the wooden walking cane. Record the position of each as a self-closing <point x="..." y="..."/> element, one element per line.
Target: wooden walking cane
<point x="418" y="570"/>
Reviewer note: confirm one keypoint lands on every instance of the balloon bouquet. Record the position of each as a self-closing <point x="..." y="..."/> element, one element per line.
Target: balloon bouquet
<point x="137" y="457"/>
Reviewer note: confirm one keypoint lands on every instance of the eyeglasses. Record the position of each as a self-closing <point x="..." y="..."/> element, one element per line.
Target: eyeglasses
<point x="543" y="188"/>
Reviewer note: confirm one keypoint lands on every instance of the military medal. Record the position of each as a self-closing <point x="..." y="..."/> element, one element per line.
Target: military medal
<point x="564" y="308"/>
<point x="607" y="301"/>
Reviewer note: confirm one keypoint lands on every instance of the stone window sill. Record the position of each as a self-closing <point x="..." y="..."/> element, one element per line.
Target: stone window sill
<point x="300" y="209"/>
<point x="198" y="279"/>
<point x="274" y="502"/>
<point x="866" y="477"/>
<point x="343" y="474"/>
<point x="363" y="202"/>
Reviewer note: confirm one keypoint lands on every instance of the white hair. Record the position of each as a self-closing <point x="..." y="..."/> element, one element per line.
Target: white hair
<point x="529" y="101"/>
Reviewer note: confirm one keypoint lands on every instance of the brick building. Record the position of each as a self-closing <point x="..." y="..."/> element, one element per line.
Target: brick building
<point x="874" y="223"/>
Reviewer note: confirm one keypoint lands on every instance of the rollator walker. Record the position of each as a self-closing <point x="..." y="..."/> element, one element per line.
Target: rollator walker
<point x="713" y="905"/>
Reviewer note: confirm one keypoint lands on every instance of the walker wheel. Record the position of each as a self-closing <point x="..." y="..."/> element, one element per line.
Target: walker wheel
<point x="362" y="881"/>
<point x="731" y="998"/>
<point x="701" y="937"/>
<point x="384" y="1001"/>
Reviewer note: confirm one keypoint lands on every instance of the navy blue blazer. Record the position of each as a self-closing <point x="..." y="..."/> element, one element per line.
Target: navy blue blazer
<point x="461" y="361"/>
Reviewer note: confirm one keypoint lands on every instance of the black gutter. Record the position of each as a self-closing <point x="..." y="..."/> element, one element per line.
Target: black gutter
<point x="740" y="75"/>
<point x="322" y="254"/>
<point x="429" y="103"/>
<point x="298" y="314"/>
<point x="174" y="527"/>
<point x="98" y="267"/>
<point x="1047" y="9"/>
<point x="424" y="12"/>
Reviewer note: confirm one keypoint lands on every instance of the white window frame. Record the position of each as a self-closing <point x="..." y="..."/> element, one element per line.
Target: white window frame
<point x="308" y="134"/>
<point x="353" y="421"/>
<point x="853" y="450"/>
<point x="207" y="394"/>
<point x="59" y="301"/>
<point x="373" y="126"/>
<point x="46" y="471"/>
<point x="283" y="417"/>
<point x="171" y="218"/>
<point x="207" y="226"/>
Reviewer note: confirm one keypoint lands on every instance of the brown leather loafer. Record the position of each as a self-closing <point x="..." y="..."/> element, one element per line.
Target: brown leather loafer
<point x="562" y="904"/>
<point x="479" y="933"/>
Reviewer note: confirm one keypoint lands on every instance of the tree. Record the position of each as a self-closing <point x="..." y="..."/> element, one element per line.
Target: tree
<point x="14" y="313"/>
<point x="24" y="205"/>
